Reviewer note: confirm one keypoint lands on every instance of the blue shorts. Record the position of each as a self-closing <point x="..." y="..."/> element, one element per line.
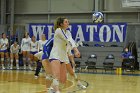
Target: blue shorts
<point x="5" y="51"/>
<point x="46" y="55"/>
<point x="33" y="52"/>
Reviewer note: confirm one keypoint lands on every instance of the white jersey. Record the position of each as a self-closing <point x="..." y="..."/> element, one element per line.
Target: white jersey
<point x="25" y="44"/>
<point x="4" y="44"/>
<point x="14" y="49"/>
<point x="34" y="46"/>
<point x="41" y="44"/>
<point x="61" y="41"/>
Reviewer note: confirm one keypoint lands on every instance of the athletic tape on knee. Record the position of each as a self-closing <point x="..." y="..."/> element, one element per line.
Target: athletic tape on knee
<point x="55" y="82"/>
<point x="2" y="59"/>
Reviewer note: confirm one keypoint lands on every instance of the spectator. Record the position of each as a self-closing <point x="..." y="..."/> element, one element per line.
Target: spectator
<point x="126" y="53"/>
<point x="125" y="58"/>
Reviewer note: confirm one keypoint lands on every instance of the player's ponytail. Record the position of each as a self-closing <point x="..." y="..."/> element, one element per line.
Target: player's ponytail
<point x="58" y="22"/>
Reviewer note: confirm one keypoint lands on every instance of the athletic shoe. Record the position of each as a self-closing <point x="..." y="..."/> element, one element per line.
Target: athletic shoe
<point x="17" y="66"/>
<point x="11" y="67"/>
<point x="81" y="85"/>
<point x="30" y="68"/>
<point x="36" y="77"/>
<point x="51" y="90"/>
<point x="128" y="70"/>
<point x="24" y="67"/>
<point x="3" y="68"/>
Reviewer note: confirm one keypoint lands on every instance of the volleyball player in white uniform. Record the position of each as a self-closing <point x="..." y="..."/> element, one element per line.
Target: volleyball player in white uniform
<point x="25" y="48"/>
<point x="33" y="51"/>
<point x="46" y="52"/>
<point x="14" y="53"/>
<point x="58" y="55"/>
<point x="3" y="50"/>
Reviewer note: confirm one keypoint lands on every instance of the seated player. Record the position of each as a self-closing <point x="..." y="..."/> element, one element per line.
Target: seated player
<point x="33" y="51"/>
<point x="14" y="53"/>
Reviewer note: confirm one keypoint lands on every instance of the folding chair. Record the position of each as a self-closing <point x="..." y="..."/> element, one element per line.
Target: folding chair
<point x="78" y="64"/>
<point x="91" y="63"/>
<point x="129" y="63"/>
<point x="109" y="62"/>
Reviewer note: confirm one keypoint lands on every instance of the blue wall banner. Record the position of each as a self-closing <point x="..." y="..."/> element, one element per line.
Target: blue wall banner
<point x="102" y="32"/>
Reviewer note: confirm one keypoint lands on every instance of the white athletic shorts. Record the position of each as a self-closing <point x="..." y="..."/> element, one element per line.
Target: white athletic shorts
<point x="39" y="55"/>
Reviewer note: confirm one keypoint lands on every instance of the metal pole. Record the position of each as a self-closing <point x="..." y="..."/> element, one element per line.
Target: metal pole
<point x="96" y="5"/>
<point x="12" y="15"/>
<point x="3" y="12"/>
<point x="49" y="10"/>
<point x="11" y="18"/>
<point x="138" y="17"/>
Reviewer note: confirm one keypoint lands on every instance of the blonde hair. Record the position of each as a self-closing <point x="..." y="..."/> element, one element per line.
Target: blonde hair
<point x="58" y="22"/>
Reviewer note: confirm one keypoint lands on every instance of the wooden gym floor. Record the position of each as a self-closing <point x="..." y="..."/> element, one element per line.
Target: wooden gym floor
<point x="14" y="81"/>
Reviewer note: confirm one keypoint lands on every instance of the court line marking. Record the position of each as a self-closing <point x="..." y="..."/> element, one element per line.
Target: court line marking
<point x="70" y="86"/>
<point x="123" y="74"/>
<point x="79" y="89"/>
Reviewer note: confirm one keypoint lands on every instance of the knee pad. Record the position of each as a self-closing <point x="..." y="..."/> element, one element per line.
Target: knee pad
<point x="24" y="59"/>
<point x="12" y="60"/>
<point x="28" y="59"/>
<point x="2" y="59"/>
<point x="16" y="60"/>
<point x="7" y="59"/>
<point x="55" y="82"/>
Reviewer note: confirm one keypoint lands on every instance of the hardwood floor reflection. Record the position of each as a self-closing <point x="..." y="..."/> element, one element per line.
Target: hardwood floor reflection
<point x="12" y="81"/>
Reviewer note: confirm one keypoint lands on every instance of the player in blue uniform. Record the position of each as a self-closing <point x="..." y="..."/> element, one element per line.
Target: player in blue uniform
<point x="45" y="55"/>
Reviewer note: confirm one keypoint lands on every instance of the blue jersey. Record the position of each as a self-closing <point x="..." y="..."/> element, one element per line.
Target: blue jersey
<point x="47" y="48"/>
<point x="126" y="54"/>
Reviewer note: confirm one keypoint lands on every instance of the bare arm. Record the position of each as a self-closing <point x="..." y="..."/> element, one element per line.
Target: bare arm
<point x="71" y="58"/>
